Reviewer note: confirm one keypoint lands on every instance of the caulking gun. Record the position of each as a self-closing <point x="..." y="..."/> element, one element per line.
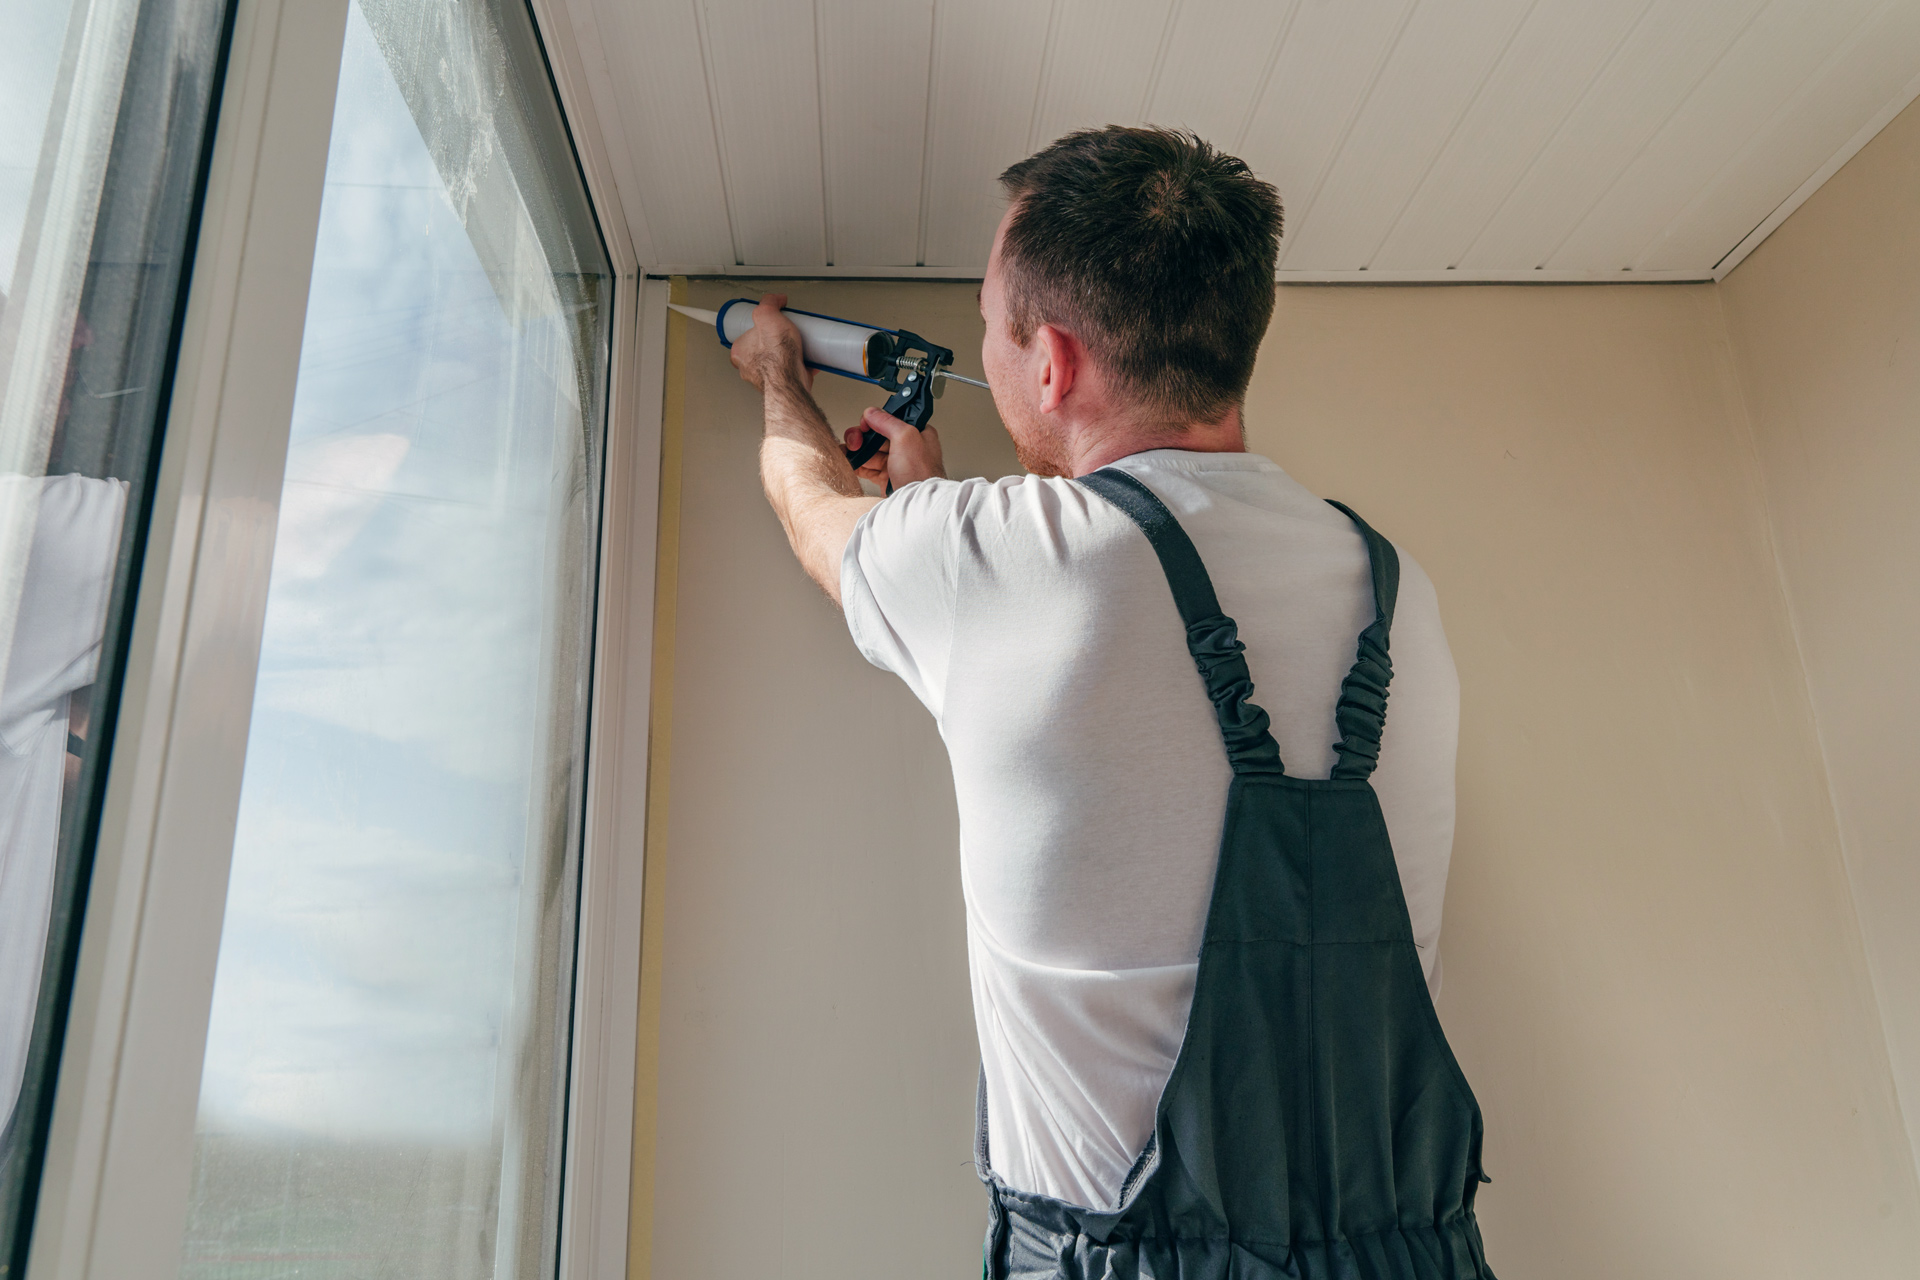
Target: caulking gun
<point x="903" y="363"/>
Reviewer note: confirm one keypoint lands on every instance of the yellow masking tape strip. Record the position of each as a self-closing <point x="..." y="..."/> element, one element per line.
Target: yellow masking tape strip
<point x="646" y="1108"/>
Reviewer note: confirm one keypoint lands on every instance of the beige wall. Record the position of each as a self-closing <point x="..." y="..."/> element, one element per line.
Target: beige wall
<point x="1654" y="978"/>
<point x="809" y="1024"/>
<point x="1654" y="975"/>
<point x="1825" y="318"/>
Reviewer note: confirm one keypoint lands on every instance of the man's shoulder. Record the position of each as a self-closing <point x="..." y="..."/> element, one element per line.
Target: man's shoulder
<point x="988" y="508"/>
<point x="1242" y="484"/>
<point x="1221" y="499"/>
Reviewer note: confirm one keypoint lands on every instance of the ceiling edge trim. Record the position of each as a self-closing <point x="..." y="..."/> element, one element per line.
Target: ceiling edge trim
<point x="599" y="155"/>
<point x="1785" y="209"/>
<point x="716" y="271"/>
<point x="1518" y="275"/>
<point x="840" y="272"/>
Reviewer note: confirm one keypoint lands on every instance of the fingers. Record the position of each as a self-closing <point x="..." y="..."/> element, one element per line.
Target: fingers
<point x="929" y="461"/>
<point x="769" y="345"/>
<point x="913" y="455"/>
<point x="906" y="456"/>
<point x="901" y="441"/>
<point x="883" y="423"/>
<point x="874" y="468"/>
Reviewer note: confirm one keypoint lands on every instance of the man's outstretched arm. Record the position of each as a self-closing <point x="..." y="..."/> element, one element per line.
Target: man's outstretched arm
<point x="808" y="482"/>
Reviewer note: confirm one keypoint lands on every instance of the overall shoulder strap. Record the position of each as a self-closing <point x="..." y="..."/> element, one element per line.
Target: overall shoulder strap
<point x="1361" y="712"/>
<point x="1212" y="637"/>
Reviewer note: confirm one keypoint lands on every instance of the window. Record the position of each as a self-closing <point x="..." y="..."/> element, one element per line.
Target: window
<point x="384" y="1082"/>
<point x="104" y="124"/>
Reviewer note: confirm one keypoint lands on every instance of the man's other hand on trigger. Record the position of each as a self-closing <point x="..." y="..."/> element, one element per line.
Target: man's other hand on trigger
<point x="907" y="455"/>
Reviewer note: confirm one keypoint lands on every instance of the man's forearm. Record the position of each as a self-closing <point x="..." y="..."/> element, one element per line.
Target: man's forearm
<point x="808" y="482"/>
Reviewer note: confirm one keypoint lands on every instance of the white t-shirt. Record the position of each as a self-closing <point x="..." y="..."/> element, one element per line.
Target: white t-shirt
<point x="1033" y="619"/>
<point x="56" y="650"/>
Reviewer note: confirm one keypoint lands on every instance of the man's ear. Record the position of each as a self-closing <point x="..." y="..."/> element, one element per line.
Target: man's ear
<point x="1060" y="358"/>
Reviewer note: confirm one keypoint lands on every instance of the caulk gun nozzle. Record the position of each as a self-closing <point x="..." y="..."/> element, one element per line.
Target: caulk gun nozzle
<point x="695" y="313"/>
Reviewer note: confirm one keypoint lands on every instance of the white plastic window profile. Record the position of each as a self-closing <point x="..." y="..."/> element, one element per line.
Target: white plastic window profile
<point x="105" y="108"/>
<point x="130" y="1158"/>
<point x="386" y="1058"/>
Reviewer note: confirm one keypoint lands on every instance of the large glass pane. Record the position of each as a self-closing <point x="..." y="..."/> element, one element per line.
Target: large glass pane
<point x="385" y="1069"/>
<point x="104" y="125"/>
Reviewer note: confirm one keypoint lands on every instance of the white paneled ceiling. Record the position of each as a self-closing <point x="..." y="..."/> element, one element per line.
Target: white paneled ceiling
<point x="1410" y="139"/>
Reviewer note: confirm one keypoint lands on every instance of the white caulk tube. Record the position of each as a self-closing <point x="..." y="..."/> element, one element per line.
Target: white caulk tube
<point x="856" y="350"/>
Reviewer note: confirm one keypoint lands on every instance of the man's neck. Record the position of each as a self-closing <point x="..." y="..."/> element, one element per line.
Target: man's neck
<point x="1094" y="450"/>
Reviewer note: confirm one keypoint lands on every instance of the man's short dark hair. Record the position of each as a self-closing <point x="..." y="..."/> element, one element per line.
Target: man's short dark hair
<point x="1156" y="251"/>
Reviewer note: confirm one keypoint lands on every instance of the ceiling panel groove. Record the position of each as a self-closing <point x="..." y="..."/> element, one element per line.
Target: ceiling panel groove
<point x="1200" y="82"/>
<point x="1763" y="71"/>
<point x="1796" y="101"/>
<point x="1649" y="140"/>
<point x="1159" y="64"/>
<point x="988" y="70"/>
<point x="1266" y="78"/>
<point x="1559" y="131"/>
<point x="1519" y="109"/>
<point x="1907" y="94"/>
<point x="826" y="150"/>
<point x="1421" y="140"/>
<point x="926" y="138"/>
<point x="874" y="77"/>
<point x="1046" y="70"/>
<point x="1353" y="118"/>
<point x="719" y="134"/>
<point x="1453" y="130"/>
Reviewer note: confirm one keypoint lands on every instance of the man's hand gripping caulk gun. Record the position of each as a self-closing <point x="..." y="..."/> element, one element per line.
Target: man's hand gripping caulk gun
<point x="771" y="344"/>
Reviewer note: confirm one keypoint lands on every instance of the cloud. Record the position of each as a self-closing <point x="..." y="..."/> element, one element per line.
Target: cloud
<point x="333" y="487"/>
<point x="422" y="648"/>
<point x="364" y="984"/>
<point x="29" y="70"/>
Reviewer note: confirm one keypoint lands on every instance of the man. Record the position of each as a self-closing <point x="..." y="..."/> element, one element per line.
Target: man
<point x="53" y="659"/>
<point x="47" y="668"/>
<point x="1316" y="1114"/>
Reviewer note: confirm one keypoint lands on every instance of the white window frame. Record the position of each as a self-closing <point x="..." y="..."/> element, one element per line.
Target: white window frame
<point x="116" y="1181"/>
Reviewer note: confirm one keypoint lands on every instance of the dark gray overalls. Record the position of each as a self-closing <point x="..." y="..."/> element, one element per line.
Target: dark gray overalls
<point x="1316" y="1125"/>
